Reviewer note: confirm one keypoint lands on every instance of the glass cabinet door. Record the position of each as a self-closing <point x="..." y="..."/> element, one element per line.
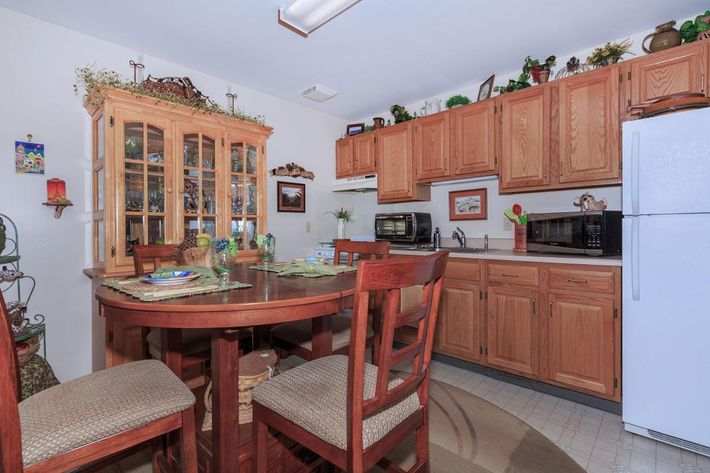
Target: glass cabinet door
<point x="98" y="164"/>
<point x="244" y="192"/>
<point x="143" y="147"/>
<point x="200" y="203"/>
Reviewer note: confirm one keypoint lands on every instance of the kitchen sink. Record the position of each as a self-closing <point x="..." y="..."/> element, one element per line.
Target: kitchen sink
<point x="456" y="249"/>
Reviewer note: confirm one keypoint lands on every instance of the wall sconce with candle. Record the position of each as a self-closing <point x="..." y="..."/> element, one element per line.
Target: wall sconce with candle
<point x="57" y="196"/>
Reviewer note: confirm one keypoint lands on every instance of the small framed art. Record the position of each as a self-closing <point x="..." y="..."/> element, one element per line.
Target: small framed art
<point x="484" y="92"/>
<point x="355" y="129"/>
<point x="469" y="204"/>
<point x="291" y="197"/>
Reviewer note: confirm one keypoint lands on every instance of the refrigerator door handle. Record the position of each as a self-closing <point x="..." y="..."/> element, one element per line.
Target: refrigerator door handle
<point x="635" y="273"/>
<point x="635" y="159"/>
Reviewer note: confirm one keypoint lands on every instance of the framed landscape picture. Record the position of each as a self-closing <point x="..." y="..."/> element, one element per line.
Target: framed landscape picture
<point x="291" y="197"/>
<point x="468" y="205"/>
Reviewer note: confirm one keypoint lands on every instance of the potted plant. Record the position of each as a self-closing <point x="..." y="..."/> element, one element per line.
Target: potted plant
<point x="344" y="216"/>
<point x="457" y="100"/>
<point x="540" y="72"/>
<point x="610" y="53"/>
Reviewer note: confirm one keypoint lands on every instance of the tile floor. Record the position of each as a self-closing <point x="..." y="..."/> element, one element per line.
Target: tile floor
<point x="593" y="438"/>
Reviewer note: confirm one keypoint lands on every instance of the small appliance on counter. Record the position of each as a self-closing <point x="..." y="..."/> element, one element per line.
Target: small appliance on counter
<point x="403" y="227"/>
<point x="593" y="233"/>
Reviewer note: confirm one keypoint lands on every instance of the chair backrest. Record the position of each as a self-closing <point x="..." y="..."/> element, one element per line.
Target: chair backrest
<point x="388" y="278"/>
<point x="363" y="249"/>
<point x="10" y="440"/>
<point x="155" y="252"/>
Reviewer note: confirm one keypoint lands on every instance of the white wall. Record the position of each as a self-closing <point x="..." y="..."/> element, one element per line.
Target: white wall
<point x="38" y="74"/>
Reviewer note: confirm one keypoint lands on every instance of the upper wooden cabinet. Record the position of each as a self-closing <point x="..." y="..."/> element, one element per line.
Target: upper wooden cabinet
<point x="161" y="170"/>
<point x="473" y="146"/>
<point x="525" y="138"/>
<point x="395" y="165"/>
<point x="431" y="146"/>
<point x="675" y="70"/>
<point x="589" y="127"/>
<point x="355" y="156"/>
<point x="343" y="158"/>
<point x="364" y="154"/>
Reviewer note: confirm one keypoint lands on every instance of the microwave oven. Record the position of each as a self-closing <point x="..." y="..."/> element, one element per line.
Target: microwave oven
<point x="594" y="233"/>
<point x="403" y="227"/>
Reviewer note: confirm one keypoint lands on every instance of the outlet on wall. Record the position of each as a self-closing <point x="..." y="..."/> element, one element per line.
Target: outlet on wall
<point x="507" y="224"/>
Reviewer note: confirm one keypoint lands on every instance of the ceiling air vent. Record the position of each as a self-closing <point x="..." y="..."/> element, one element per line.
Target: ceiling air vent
<point x="319" y="93"/>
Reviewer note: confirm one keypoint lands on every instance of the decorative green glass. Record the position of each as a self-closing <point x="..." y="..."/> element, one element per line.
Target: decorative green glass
<point x="266" y="247"/>
<point x="224" y="254"/>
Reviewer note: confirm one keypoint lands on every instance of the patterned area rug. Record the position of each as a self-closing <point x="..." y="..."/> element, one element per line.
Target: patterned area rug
<point x="467" y="435"/>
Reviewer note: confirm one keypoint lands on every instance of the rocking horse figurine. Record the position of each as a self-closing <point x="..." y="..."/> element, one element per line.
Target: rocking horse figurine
<point x="586" y="202"/>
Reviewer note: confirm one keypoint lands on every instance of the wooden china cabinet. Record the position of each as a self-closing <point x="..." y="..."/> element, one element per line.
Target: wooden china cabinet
<point x="162" y="170"/>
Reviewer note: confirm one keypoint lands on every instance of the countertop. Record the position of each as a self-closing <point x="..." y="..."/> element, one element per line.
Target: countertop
<point x="510" y="255"/>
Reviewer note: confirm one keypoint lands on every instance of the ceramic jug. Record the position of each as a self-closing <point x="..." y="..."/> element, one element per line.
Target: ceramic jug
<point x="664" y="37"/>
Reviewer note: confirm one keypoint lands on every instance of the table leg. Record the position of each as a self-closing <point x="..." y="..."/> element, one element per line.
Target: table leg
<point x="171" y="347"/>
<point x="225" y="401"/>
<point x="322" y="333"/>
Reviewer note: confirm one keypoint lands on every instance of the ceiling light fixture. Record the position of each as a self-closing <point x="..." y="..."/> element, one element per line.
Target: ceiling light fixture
<point x="305" y="16"/>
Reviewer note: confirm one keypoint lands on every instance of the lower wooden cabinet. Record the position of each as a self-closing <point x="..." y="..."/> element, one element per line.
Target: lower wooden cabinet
<point x="581" y="341"/>
<point x="513" y="329"/>
<point x="459" y="329"/>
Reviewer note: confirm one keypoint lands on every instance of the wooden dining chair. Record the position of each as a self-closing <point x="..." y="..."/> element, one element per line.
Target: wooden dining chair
<point x="88" y="419"/>
<point x="349" y="412"/>
<point x="196" y="344"/>
<point x="295" y="338"/>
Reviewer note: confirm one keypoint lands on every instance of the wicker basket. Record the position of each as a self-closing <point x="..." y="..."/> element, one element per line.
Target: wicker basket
<point x="254" y="369"/>
<point x="197" y="256"/>
<point x="27" y="349"/>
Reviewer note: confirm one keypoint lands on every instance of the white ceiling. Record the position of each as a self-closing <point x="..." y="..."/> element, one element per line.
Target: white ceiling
<point x="377" y="53"/>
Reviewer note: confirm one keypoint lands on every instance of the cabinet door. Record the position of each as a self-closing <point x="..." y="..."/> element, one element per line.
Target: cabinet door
<point x="431" y="146"/>
<point x="395" y="179"/>
<point x="343" y="158"/>
<point x="364" y="154"/>
<point x="246" y="194"/>
<point x="589" y="126"/>
<point x="200" y="175"/>
<point x="513" y="329"/>
<point x="668" y="72"/>
<point x="581" y="342"/>
<point x="474" y="147"/>
<point x="459" y="328"/>
<point x="525" y="140"/>
<point x="144" y="190"/>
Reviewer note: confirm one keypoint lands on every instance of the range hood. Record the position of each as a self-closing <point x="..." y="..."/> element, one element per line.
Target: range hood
<point x="356" y="184"/>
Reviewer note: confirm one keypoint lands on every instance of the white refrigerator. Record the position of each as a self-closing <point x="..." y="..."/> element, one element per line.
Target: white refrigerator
<point x="666" y="279"/>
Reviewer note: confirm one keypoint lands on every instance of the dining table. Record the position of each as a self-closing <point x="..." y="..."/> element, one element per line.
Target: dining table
<point x="271" y="299"/>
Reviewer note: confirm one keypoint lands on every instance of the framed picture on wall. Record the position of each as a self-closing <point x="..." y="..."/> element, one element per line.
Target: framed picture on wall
<point x="469" y="204"/>
<point x="291" y="197"/>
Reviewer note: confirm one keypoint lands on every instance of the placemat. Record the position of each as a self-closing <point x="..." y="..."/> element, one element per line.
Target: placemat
<point x="304" y="269"/>
<point x="205" y="284"/>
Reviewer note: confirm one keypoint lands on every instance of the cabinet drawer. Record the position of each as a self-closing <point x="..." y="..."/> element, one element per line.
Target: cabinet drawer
<point x="514" y="274"/>
<point x="597" y="281"/>
<point x="463" y="269"/>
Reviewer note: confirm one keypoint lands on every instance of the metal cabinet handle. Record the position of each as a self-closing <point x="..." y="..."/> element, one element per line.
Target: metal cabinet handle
<point x="509" y="275"/>
<point x="578" y="281"/>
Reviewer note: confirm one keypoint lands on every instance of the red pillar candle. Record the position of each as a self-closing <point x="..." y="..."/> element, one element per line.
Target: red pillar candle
<point x="56" y="190"/>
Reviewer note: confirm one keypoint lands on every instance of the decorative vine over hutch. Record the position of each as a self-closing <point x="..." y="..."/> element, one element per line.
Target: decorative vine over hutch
<point x="162" y="170"/>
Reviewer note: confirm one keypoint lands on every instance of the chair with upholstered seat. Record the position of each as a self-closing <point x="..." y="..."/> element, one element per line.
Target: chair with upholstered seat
<point x="196" y="344"/>
<point x="296" y="337"/>
<point x="88" y="419"/>
<point x="350" y="412"/>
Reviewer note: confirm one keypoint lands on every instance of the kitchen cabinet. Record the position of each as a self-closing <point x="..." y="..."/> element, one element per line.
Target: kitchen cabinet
<point x="364" y="154"/>
<point x="474" y="139"/>
<point x="431" y="146"/>
<point x="395" y="166"/>
<point x="162" y="170"/>
<point x="513" y="329"/>
<point x="589" y="127"/>
<point x="581" y="341"/>
<point x="525" y="138"/>
<point x="673" y="71"/>
<point x="344" y="158"/>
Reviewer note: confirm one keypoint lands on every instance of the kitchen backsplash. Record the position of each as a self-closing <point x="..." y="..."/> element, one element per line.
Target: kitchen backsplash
<point x="365" y="207"/>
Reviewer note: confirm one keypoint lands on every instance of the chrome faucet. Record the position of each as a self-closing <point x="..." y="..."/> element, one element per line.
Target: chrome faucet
<point x="485" y="242"/>
<point x="460" y="237"/>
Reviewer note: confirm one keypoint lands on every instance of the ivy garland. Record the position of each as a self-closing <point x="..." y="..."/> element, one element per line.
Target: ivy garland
<point x="90" y="78"/>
